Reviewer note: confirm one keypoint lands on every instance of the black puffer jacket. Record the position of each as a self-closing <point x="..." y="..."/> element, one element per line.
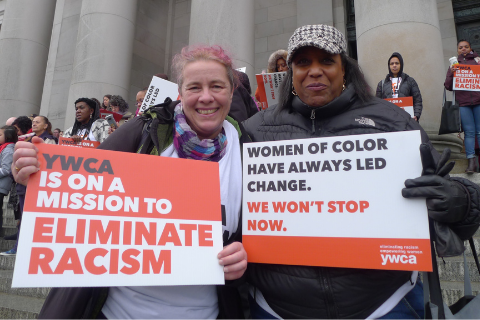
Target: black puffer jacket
<point x="408" y="88"/>
<point x="321" y="292"/>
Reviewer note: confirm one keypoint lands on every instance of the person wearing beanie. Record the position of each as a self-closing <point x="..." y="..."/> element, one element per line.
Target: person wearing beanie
<point x="325" y="94"/>
<point x="398" y="84"/>
<point x="276" y="63"/>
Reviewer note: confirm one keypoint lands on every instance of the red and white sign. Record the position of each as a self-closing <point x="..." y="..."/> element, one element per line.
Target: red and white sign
<point x="269" y="88"/>
<point x="92" y="220"/>
<point x="82" y="144"/>
<point x="335" y="202"/>
<point x="467" y="78"/>
<point x="406" y="103"/>
<point x="116" y="116"/>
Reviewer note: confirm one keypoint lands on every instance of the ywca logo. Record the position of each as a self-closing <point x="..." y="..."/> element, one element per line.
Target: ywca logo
<point x="398" y="258"/>
<point x="366" y="121"/>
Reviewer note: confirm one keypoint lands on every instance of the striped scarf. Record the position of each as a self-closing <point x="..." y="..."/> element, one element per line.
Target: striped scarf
<point x="189" y="146"/>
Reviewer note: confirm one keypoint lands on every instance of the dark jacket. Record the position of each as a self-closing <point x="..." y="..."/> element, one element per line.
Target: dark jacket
<point x="47" y="137"/>
<point x="408" y="87"/>
<point x="464" y="98"/>
<point x="87" y="302"/>
<point x="243" y="106"/>
<point x="322" y="292"/>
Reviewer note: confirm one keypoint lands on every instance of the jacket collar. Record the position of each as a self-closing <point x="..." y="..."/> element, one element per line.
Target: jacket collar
<point x="336" y="106"/>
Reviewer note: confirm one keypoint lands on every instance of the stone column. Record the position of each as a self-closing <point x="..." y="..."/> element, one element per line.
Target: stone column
<point x="411" y="28"/>
<point x="229" y="23"/>
<point x="314" y="12"/>
<point x="24" y="43"/>
<point x="103" y="53"/>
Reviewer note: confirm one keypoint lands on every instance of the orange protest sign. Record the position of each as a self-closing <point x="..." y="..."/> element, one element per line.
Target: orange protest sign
<point x="467" y="78"/>
<point x="82" y="144"/>
<point x="406" y="103"/>
<point x="261" y="92"/>
<point x="90" y="219"/>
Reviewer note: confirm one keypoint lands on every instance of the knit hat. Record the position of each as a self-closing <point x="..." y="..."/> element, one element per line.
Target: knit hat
<point x="320" y="36"/>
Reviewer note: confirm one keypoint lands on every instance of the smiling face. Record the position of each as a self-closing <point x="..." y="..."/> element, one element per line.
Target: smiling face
<point x="83" y="112"/>
<point x="463" y="48"/>
<point x="39" y="125"/>
<point x="317" y="76"/>
<point x="206" y="95"/>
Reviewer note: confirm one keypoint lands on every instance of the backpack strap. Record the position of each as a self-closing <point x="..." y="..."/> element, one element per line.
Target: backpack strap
<point x="158" y="128"/>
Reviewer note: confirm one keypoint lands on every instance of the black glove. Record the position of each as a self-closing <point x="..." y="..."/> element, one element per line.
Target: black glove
<point x="447" y="200"/>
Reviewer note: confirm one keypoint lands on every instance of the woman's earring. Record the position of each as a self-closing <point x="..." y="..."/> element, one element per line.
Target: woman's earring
<point x="91" y="116"/>
<point x="294" y="92"/>
<point x="344" y="82"/>
<point x="181" y="108"/>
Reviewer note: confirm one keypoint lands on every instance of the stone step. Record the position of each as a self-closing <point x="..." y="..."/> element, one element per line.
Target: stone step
<point x="6" y="245"/>
<point x="468" y="250"/>
<point x="19" y="307"/>
<point x="6" y="287"/>
<point x="452" y="269"/>
<point x="9" y="230"/>
<point x="7" y="263"/>
<point x="9" y="221"/>
<point x="452" y="291"/>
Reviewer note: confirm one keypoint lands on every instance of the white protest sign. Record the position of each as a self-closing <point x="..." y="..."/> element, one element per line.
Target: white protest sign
<point x="335" y="202"/>
<point x="157" y="91"/>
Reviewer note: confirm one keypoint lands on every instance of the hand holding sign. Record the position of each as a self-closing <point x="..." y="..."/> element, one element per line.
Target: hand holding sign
<point x="234" y="259"/>
<point x="446" y="200"/>
<point x="25" y="161"/>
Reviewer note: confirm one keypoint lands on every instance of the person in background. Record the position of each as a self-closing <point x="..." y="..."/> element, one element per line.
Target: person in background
<point x="243" y="105"/>
<point x="139" y="100"/>
<point x="119" y="105"/>
<point x="56" y="133"/>
<point x="24" y="128"/>
<point x="276" y="63"/>
<point x="469" y="102"/>
<point x="197" y="130"/>
<point x="42" y="128"/>
<point x="398" y="84"/>
<point x="324" y="94"/>
<point x="106" y="102"/>
<point x="10" y="121"/>
<point x="8" y="138"/>
<point x="61" y="134"/>
<point x="32" y="116"/>
<point x="88" y="124"/>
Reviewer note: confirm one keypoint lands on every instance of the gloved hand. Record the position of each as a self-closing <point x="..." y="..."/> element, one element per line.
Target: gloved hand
<point x="447" y="200"/>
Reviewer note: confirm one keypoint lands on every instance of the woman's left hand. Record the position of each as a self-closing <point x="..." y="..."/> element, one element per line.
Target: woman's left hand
<point x="233" y="258"/>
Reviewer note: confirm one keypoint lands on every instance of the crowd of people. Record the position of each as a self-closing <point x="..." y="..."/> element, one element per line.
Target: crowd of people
<point x="322" y="94"/>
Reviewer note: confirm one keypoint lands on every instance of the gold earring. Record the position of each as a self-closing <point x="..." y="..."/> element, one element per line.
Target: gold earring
<point x="344" y="82"/>
<point x="293" y="91"/>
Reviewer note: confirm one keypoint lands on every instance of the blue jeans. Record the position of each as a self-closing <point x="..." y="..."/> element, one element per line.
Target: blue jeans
<point x="470" y="117"/>
<point x="411" y="306"/>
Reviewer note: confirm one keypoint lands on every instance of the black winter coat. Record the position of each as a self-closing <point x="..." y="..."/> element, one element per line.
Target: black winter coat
<point x="408" y="88"/>
<point x="323" y="292"/>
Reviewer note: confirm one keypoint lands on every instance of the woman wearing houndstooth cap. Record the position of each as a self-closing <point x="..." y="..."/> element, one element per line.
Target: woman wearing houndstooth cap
<point x="325" y="94"/>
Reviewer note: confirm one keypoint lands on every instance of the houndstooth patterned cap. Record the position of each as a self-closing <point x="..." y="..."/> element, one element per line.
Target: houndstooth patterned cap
<point x="321" y="36"/>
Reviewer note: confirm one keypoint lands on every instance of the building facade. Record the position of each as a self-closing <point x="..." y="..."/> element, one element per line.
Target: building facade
<point x="55" y="51"/>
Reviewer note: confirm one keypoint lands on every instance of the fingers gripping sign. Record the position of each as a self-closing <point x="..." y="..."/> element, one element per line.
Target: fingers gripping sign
<point x="25" y="160"/>
<point x="233" y="258"/>
<point x="447" y="200"/>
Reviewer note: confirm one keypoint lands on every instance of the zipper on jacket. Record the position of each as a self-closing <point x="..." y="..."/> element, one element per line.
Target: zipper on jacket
<point x="328" y="295"/>
<point x="312" y="116"/>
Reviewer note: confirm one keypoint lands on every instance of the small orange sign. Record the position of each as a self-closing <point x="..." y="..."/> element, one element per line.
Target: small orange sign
<point x="82" y="144"/>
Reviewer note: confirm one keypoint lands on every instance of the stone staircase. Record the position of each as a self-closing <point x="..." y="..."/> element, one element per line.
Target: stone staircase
<point x="25" y="303"/>
<point x="15" y="303"/>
